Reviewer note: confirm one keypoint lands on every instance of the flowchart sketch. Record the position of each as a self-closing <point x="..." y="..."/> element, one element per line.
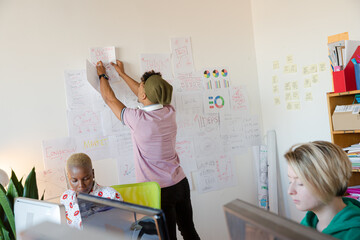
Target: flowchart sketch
<point x="84" y="122"/>
<point x="239" y="99"/>
<point x="78" y="90"/>
<point x="106" y="55"/>
<point x="97" y="147"/>
<point x="157" y="62"/>
<point x="55" y="154"/>
<point x="185" y="150"/>
<point x="189" y="81"/>
<point x="182" y="55"/>
<point x="216" y="101"/>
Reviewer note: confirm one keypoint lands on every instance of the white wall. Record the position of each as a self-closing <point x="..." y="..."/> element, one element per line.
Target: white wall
<point x="41" y="39"/>
<point x="298" y="28"/>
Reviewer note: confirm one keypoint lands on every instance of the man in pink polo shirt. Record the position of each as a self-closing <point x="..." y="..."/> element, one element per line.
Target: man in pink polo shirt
<point x="154" y="129"/>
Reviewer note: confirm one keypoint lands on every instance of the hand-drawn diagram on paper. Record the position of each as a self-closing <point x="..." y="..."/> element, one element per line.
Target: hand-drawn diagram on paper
<point x="106" y="55"/>
<point x="207" y="123"/>
<point x="78" y="90"/>
<point x="182" y="55"/>
<point x="189" y="102"/>
<point x="239" y="99"/>
<point x="215" y="78"/>
<point x="185" y="150"/>
<point x="157" y="62"/>
<point x="122" y="150"/>
<point x="55" y="153"/>
<point x="216" y="101"/>
<point x="215" y="174"/>
<point x="84" y="122"/>
<point x="189" y="81"/>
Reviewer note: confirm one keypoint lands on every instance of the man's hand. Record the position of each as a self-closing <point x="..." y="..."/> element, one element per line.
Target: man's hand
<point x="119" y="67"/>
<point x="100" y="68"/>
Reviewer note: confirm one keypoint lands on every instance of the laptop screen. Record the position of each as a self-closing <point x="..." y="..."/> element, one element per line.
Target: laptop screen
<point x="130" y="221"/>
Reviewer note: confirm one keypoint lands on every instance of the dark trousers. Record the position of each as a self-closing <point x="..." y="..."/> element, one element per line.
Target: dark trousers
<point x="176" y="204"/>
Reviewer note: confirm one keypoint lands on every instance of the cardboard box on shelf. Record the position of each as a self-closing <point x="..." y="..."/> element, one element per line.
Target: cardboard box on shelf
<point x="346" y="117"/>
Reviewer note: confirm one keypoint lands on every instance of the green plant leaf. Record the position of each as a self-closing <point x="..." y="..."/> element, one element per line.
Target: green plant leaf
<point x="4" y="234"/>
<point x="11" y="194"/>
<point x="19" y="187"/>
<point x="5" y="204"/>
<point x="30" y="187"/>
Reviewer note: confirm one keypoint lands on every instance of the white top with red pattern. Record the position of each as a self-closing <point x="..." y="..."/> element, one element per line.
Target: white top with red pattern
<point x="69" y="200"/>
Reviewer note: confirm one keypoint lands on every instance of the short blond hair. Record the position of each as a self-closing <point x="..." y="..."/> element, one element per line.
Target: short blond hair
<point x="78" y="160"/>
<point x="323" y="167"/>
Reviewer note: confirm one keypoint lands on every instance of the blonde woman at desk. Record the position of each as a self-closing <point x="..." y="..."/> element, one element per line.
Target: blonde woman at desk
<point x="318" y="175"/>
<point x="81" y="178"/>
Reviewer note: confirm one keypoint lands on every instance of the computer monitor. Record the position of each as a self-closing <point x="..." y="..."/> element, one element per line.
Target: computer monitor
<point x="29" y="212"/>
<point x="130" y="221"/>
<point x="246" y="221"/>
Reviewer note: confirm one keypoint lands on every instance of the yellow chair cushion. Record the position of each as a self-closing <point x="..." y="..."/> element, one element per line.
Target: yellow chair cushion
<point x="145" y="193"/>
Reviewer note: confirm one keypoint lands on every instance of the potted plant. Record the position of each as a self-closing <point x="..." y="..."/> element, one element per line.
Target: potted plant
<point x="14" y="189"/>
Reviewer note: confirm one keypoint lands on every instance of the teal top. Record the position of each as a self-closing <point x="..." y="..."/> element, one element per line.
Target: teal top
<point x="345" y="224"/>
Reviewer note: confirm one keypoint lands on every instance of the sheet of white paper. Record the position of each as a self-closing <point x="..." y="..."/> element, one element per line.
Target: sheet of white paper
<point x="55" y="153"/>
<point x="91" y="75"/>
<point x="84" y="122"/>
<point x="216" y="101"/>
<point x="104" y="54"/>
<point x="182" y="55"/>
<point x="207" y="123"/>
<point x="111" y="124"/>
<point x="206" y="145"/>
<point x="158" y="62"/>
<point x="239" y="99"/>
<point x="97" y="147"/>
<point x="185" y="150"/>
<point x="215" y="173"/>
<point x="190" y="102"/>
<point x="122" y="150"/>
<point x="215" y="78"/>
<point x="189" y="81"/>
<point x="78" y="90"/>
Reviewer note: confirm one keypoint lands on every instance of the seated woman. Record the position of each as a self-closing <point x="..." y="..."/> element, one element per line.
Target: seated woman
<point x="82" y="180"/>
<point x="318" y="173"/>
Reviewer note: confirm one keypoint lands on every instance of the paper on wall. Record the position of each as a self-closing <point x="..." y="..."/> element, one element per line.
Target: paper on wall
<point x="84" y="122"/>
<point x="189" y="81"/>
<point x="106" y="55"/>
<point x="185" y="150"/>
<point x="78" y="90"/>
<point x="182" y="55"/>
<point x="55" y="154"/>
<point x="97" y="147"/>
<point x="216" y="101"/>
<point x="215" y="173"/>
<point x="158" y="62"/>
<point x="122" y="150"/>
<point x="239" y="99"/>
<point x="190" y="102"/>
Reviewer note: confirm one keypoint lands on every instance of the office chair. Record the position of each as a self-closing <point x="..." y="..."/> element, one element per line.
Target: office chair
<point x="144" y="193"/>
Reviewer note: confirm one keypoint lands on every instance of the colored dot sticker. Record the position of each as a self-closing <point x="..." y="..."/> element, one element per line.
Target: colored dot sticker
<point x="215" y="73"/>
<point x="206" y="74"/>
<point x="224" y="72"/>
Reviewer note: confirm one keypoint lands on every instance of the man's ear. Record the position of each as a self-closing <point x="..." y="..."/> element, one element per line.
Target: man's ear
<point x="143" y="96"/>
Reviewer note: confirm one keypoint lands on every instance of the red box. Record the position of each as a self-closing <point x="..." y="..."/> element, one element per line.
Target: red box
<point x="345" y="80"/>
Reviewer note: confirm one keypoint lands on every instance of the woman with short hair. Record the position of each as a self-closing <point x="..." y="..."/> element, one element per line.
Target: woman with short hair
<point x="318" y="174"/>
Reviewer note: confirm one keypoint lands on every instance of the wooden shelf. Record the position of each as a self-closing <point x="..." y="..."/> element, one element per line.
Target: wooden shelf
<point x="344" y="138"/>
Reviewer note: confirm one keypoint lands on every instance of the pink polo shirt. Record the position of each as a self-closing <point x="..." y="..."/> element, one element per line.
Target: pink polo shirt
<point x="154" y="138"/>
